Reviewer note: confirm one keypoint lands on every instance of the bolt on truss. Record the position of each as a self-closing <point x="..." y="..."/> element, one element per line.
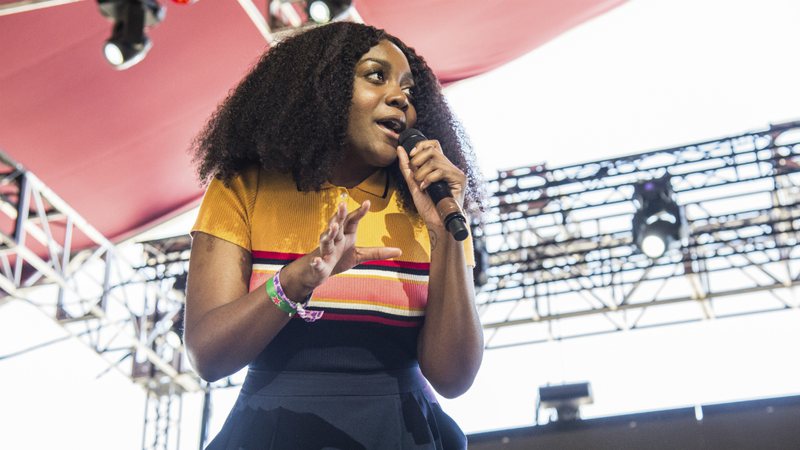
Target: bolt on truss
<point x="561" y="257"/>
<point x="97" y="295"/>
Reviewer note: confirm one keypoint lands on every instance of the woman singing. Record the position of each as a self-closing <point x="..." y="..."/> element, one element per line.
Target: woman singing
<point x="318" y="259"/>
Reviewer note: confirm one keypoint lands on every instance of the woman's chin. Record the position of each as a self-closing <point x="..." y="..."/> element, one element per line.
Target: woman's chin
<point x="383" y="158"/>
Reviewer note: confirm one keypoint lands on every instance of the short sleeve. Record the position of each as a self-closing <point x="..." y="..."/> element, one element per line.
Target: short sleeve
<point x="225" y="211"/>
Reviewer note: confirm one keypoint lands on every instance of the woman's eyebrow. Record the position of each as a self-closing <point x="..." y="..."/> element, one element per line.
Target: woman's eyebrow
<point x="382" y="62"/>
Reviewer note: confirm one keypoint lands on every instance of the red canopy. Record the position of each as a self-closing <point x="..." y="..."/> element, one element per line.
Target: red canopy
<point x="114" y="144"/>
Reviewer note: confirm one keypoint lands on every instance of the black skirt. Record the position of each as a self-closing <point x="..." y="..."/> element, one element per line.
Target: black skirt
<point x="313" y="410"/>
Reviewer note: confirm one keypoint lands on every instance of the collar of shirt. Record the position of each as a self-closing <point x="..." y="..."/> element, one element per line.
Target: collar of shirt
<point x="376" y="184"/>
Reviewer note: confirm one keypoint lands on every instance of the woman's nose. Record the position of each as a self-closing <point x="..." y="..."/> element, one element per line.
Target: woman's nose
<point x="397" y="98"/>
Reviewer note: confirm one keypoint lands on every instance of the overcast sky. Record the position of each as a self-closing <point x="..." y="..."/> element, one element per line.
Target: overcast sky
<point x="647" y="75"/>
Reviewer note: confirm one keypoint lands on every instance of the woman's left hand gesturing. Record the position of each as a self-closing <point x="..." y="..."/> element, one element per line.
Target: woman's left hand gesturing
<point x="427" y="164"/>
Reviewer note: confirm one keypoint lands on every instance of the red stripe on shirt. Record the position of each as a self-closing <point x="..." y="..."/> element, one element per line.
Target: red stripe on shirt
<point x="374" y="319"/>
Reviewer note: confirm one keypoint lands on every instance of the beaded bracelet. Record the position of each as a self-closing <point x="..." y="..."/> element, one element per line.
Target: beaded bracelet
<point x="278" y="296"/>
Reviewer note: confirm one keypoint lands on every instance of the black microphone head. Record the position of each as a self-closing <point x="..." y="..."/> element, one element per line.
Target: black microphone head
<point x="410" y="137"/>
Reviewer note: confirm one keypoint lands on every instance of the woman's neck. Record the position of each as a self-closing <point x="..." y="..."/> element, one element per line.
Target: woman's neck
<point x="352" y="176"/>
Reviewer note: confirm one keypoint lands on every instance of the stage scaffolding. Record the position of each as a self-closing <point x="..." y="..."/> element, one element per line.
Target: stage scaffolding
<point x="124" y="302"/>
<point x="561" y="258"/>
<point x="559" y="248"/>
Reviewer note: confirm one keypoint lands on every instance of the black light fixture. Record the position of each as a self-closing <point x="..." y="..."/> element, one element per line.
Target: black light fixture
<point x="324" y="11"/>
<point x="128" y="44"/>
<point x="566" y="399"/>
<point x="479" y="275"/>
<point x="288" y="16"/>
<point x="657" y="223"/>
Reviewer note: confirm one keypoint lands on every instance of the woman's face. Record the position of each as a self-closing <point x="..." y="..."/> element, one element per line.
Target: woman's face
<point x="381" y="108"/>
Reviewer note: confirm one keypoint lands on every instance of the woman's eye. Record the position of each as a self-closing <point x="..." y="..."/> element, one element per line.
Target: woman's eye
<point x="375" y="76"/>
<point x="409" y="91"/>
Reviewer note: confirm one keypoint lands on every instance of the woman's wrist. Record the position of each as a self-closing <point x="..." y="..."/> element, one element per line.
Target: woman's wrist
<point x="438" y="235"/>
<point x="297" y="278"/>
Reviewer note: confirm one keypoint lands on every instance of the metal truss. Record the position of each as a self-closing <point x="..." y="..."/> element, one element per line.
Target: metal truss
<point x="126" y="302"/>
<point x="15" y="7"/>
<point x="122" y="311"/>
<point x="163" y="413"/>
<point x="562" y="262"/>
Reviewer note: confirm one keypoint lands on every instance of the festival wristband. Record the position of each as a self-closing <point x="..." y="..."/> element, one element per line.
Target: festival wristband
<point x="281" y="303"/>
<point x="300" y="308"/>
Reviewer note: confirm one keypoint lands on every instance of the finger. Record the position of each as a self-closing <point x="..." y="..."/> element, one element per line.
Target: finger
<point x="432" y="144"/>
<point x="326" y="242"/>
<point x="424" y="171"/>
<point x="333" y="231"/>
<point x="419" y="160"/>
<point x="364" y="254"/>
<point x="351" y="223"/>
<point x="432" y="177"/>
<point x="335" y="217"/>
<point x="317" y="264"/>
<point x="402" y="159"/>
<point x="341" y="213"/>
<point x="337" y="234"/>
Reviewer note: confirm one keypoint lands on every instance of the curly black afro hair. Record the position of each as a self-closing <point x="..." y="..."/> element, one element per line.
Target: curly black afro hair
<point x="290" y="112"/>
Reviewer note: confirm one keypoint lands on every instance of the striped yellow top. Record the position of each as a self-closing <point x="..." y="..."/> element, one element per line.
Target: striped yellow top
<point x="266" y="214"/>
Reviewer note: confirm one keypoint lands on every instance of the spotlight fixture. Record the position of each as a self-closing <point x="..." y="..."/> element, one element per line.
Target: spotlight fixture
<point x="657" y="223"/>
<point x="324" y="11"/>
<point x="292" y="15"/>
<point x="128" y="44"/>
<point x="566" y="399"/>
<point x="479" y="275"/>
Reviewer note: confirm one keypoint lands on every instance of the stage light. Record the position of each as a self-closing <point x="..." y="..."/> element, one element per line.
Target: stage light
<point x="128" y="44"/>
<point x="657" y="223"/>
<point x="123" y="54"/>
<point x="479" y="275"/>
<point x="657" y="237"/>
<point x="323" y="11"/>
<point x="566" y="399"/>
<point x="284" y="17"/>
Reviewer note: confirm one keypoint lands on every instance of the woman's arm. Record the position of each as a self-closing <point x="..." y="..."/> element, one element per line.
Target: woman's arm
<point x="226" y="326"/>
<point x="451" y="341"/>
<point x="450" y="346"/>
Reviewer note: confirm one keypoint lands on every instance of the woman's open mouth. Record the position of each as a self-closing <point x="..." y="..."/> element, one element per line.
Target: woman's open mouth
<point x="392" y="127"/>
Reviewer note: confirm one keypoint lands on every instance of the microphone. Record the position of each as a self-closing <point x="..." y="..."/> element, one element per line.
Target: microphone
<point x="447" y="207"/>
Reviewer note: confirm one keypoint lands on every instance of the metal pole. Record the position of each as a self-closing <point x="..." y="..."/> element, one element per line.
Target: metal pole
<point x="23" y="205"/>
<point x="146" y="418"/>
<point x="205" y="418"/>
